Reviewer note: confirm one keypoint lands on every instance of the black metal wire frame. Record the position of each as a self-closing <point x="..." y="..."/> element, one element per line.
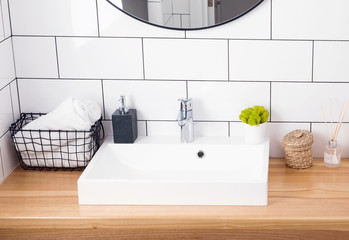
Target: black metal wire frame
<point x="54" y="149"/>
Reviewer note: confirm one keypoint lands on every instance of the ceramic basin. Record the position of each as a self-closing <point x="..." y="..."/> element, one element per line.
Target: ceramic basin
<point x="163" y="171"/>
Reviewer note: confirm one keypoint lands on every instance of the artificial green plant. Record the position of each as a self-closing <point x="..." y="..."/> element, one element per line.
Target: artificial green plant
<point x="254" y="116"/>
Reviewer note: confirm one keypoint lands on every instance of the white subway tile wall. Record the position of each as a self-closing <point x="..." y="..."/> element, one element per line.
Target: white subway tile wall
<point x="331" y="60"/>
<point x="270" y="60"/>
<point x="223" y="101"/>
<point x="7" y="70"/>
<point x="304" y="101"/>
<point x="211" y="129"/>
<point x="9" y="107"/>
<point x="51" y="17"/>
<point x="43" y="95"/>
<point x="310" y="19"/>
<point x="15" y="99"/>
<point x="2" y="30"/>
<point x="35" y="57"/>
<point x="5" y="28"/>
<point x="8" y="155"/>
<point x="154" y="100"/>
<point x="6" y="114"/>
<point x="100" y="58"/>
<point x="186" y="59"/>
<point x="162" y="128"/>
<point x="290" y="59"/>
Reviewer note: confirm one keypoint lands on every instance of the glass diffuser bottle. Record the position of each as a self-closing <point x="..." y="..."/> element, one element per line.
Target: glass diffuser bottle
<point x="332" y="154"/>
<point x="333" y="151"/>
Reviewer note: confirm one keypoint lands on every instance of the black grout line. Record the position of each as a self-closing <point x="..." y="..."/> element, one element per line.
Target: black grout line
<point x="196" y="38"/>
<point x="12" y="105"/>
<point x="103" y="102"/>
<point x="58" y="69"/>
<point x="311" y="127"/>
<point x="13" y="57"/>
<point x="228" y="60"/>
<point x="271" y="19"/>
<point x="312" y="61"/>
<point x="7" y="84"/>
<point x="99" y="34"/>
<point x="3" y="135"/>
<point x="183" y="80"/>
<point x="9" y="16"/>
<point x="3" y="40"/>
<point x="18" y="98"/>
<point x="270" y="100"/>
<point x="146" y="127"/>
<point x="143" y="59"/>
<point x="2" y="17"/>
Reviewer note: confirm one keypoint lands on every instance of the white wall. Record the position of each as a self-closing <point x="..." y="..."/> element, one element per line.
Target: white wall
<point x="288" y="58"/>
<point x="9" y="107"/>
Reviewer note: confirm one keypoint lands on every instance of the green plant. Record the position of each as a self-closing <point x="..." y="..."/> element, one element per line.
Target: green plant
<point x="254" y="116"/>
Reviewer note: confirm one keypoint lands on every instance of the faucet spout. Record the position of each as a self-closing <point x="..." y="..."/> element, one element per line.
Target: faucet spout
<point x="185" y="120"/>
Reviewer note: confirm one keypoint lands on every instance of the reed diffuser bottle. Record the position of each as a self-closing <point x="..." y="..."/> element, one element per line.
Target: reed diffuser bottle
<point x="333" y="151"/>
<point x="332" y="155"/>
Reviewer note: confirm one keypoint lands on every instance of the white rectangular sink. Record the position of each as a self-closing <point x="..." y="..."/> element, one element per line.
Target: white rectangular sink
<point x="163" y="171"/>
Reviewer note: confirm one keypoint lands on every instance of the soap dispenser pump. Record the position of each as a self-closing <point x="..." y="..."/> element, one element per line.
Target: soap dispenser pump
<point x="124" y="122"/>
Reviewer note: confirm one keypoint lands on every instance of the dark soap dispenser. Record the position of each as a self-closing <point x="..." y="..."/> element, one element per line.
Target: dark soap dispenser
<point x="124" y="124"/>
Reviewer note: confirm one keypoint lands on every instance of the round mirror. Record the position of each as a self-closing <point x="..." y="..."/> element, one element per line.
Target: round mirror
<point x="185" y="14"/>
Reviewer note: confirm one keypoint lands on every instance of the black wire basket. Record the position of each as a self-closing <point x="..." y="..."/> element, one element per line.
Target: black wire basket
<point x="54" y="149"/>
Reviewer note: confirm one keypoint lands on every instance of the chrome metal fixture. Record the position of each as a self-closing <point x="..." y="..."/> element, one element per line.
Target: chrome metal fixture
<point x="185" y="120"/>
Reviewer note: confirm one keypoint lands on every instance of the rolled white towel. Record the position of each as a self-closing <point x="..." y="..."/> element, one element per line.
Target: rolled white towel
<point x="75" y="154"/>
<point x="89" y="110"/>
<point x="71" y="114"/>
<point x="35" y="141"/>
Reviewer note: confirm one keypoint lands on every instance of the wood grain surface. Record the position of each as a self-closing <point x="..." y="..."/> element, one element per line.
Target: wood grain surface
<point x="303" y="204"/>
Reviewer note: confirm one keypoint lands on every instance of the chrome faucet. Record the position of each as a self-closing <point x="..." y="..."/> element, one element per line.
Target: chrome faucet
<point x="185" y="120"/>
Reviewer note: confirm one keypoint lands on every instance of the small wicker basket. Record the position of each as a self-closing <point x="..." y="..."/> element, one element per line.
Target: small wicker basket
<point x="297" y="145"/>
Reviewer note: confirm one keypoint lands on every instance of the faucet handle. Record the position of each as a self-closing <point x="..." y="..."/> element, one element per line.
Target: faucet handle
<point x="185" y="104"/>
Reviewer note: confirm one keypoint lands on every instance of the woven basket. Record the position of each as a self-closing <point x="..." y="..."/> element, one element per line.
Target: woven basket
<point x="297" y="145"/>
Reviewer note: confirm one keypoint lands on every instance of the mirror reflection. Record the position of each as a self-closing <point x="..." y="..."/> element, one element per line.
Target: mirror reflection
<point x="186" y="14"/>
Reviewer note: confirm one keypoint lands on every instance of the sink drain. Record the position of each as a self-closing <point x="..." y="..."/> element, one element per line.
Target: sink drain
<point x="201" y="154"/>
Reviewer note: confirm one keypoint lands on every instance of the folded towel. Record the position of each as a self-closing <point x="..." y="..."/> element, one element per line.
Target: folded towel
<point x="45" y="141"/>
<point x="75" y="154"/>
<point x="71" y="114"/>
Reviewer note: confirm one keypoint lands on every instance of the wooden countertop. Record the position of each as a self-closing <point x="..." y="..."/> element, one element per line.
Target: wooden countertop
<point x="301" y="202"/>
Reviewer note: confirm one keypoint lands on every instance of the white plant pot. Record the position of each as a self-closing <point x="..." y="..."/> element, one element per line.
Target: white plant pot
<point x="255" y="134"/>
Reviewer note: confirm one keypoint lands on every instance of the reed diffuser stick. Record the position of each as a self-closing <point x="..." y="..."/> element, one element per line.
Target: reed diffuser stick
<point x="340" y="116"/>
<point x="345" y="107"/>
<point x="333" y="135"/>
